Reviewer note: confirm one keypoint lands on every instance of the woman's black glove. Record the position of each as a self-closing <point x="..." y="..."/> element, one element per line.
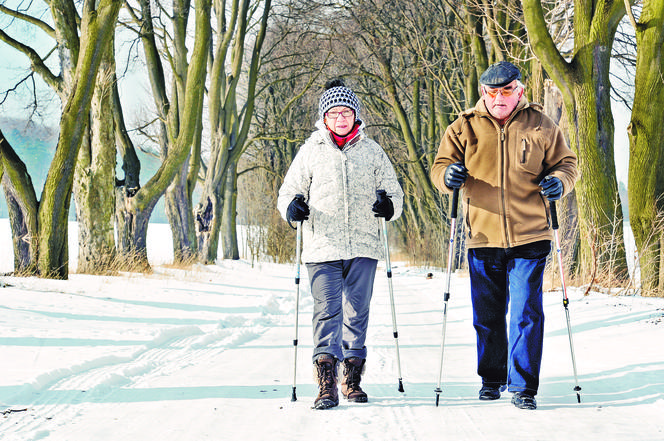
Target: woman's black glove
<point x="383" y="206"/>
<point x="298" y="210"/>
<point x="455" y="175"/>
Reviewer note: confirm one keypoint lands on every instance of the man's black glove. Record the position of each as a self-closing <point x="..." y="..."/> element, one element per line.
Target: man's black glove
<point x="552" y="188"/>
<point x="455" y="175"/>
<point x="383" y="206"/>
<point x="298" y="210"/>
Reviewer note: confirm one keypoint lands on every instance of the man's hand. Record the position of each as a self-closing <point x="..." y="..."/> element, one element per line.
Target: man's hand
<point x="552" y="188"/>
<point x="455" y="175"/>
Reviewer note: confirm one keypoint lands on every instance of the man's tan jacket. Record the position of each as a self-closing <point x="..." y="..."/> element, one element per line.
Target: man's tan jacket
<point x="503" y="207"/>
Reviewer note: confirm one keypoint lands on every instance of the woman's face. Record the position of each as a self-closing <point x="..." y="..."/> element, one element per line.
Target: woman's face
<point x="340" y="120"/>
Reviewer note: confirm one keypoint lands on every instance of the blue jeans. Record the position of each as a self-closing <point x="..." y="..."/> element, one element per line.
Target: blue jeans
<point x="342" y="292"/>
<point x="502" y="280"/>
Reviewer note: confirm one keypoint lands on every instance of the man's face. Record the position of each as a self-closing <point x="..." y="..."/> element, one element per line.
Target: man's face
<point x="502" y="101"/>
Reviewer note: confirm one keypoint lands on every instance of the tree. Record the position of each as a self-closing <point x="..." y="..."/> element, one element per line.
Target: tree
<point x="646" y="181"/>
<point x="183" y="120"/>
<point x="23" y="207"/>
<point x="178" y="118"/>
<point x="230" y="118"/>
<point x="80" y="58"/>
<point x="94" y="177"/>
<point x="585" y="86"/>
<point x="293" y="61"/>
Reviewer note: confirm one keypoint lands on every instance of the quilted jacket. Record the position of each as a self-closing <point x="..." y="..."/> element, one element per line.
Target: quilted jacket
<point x="340" y="188"/>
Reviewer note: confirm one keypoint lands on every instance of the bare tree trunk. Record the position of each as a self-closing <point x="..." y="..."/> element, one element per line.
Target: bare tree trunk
<point x="228" y="223"/>
<point x="229" y="125"/>
<point x="22" y="206"/>
<point x="180" y="216"/>
<point x="646" y="180"/>
<point x="132" y="225"/>
<point x="94" y="179"/>
<point x="584" y="83"/>
<point x="179" y="131"/>
<point x="97" y="30"/>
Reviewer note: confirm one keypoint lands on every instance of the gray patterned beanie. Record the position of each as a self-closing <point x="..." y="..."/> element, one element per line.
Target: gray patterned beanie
<point x="337" y="94"/>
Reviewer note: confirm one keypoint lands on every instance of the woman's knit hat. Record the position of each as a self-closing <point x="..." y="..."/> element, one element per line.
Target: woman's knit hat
<point x="337" y="94"/>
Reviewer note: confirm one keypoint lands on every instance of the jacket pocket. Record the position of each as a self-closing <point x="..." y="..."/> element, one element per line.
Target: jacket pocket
<point x="466" y="218"/>
<point x="529" y="155"/>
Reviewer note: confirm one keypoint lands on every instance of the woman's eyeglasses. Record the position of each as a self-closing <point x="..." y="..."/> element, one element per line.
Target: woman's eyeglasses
<point x="345" y="113"/>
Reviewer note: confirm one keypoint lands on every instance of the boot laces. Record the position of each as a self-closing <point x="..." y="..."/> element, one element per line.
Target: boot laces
<point x="353" y="376"/>
<point x="326" y="379"/>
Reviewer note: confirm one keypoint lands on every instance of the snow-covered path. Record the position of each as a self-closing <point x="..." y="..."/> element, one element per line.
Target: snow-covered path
<point x="208" y="354"/>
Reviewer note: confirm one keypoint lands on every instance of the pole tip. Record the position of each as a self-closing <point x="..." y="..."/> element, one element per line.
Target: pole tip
<point x="400" y="386"/>
<point x="438" y="391"/>
<point x="293" y="397"/>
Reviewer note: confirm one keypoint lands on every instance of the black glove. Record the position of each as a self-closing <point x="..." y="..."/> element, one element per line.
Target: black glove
<point x="298" y="210"/>
<point x="455" y="175"/>
<point x="383" y="206"/>
<point x="552" y="188"/>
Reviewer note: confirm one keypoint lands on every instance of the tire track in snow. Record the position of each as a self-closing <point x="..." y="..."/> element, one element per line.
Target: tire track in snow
<point x="55" y="395"/>
<point x="61" y="395"/>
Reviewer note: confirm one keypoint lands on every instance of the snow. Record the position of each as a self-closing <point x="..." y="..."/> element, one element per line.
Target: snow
<point x="207" y="353"/>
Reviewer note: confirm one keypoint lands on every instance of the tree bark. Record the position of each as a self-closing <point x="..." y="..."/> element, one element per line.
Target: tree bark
<point x="97" y="30"/>
<point x="646" y="180"/>
<point x="584" y="83"/>
<point x="180" y="149"/>
<point x="229" y="125"/>
<point x="94" y="179"/>
<point x="22" y="206"/>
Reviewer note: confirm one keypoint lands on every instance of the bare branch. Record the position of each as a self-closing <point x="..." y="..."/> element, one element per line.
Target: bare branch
<point x="29" y="19"/>
<point x="37" y="63"/>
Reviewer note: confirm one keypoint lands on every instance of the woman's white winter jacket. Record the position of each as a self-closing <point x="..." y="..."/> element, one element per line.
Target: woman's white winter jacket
<point x="340" y="188"/>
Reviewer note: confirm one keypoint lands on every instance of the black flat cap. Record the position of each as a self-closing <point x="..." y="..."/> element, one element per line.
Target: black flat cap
<point x="500" y="74"/>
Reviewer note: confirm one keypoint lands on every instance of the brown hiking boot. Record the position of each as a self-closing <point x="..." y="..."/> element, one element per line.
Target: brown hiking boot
<point x="350" y="384"/>
<point x="326" y="375"/>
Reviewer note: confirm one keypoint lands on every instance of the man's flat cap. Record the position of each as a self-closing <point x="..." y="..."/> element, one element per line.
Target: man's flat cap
<point x="500" y="74"/>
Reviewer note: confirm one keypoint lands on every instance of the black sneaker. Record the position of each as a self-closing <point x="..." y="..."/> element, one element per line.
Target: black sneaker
<point x="524" y="400"/>
<point x="489" y="393"/>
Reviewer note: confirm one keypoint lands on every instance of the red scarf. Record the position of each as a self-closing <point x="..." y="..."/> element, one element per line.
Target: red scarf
<point x="341" y="141"/>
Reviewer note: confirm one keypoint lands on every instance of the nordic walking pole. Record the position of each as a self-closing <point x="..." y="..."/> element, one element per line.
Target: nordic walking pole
<point x="388" y="267"/>
<point x="446" y="297"/>
<point x="554" y="225"/>
<point x="297" y="298"/>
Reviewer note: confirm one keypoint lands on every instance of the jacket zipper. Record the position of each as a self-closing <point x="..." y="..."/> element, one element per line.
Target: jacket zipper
<point x="503" y="186"/>
<point x="344" y="175"/>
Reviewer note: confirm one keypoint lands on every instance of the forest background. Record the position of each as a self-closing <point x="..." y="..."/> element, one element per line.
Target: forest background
<point x="202" y="106"/>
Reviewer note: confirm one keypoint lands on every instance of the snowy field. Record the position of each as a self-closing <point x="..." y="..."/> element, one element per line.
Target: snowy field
<point x="207" y="354"/>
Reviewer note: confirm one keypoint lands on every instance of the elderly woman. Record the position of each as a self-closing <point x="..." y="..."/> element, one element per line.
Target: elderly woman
<point x="340" y="174"/>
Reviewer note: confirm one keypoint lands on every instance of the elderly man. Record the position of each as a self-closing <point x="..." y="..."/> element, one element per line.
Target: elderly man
<point x="510" y="160"/>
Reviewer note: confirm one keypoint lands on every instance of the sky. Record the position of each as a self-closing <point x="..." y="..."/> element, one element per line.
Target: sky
<point x="206" y="353"/>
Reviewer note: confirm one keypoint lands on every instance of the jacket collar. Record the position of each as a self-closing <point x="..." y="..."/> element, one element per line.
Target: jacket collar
<point x="480" y="109"/>
<point x="327" y="136"/>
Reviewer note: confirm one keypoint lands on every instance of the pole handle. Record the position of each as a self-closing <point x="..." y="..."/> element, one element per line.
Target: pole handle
<point x="455" y="203"/>
<point x="554" y="215"/>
